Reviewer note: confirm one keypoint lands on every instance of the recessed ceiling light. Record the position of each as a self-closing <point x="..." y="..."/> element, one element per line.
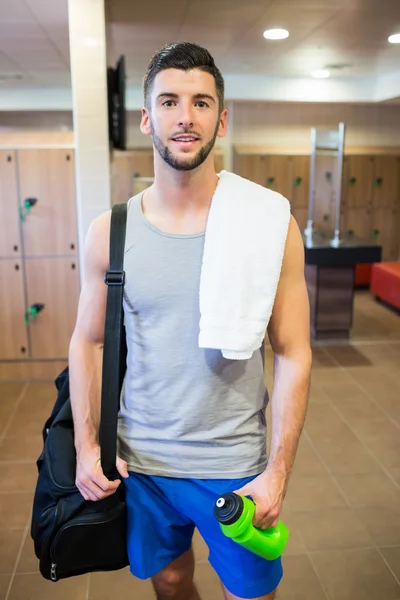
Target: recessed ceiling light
<point x="321" y="74"/>
<point x="276" y="34"/>
<point x="394" y="39"/>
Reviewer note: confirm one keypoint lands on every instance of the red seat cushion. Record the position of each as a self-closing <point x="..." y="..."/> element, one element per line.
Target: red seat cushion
<point x="385" y="282"/>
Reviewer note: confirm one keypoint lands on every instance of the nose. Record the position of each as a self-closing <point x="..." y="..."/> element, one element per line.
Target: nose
<point x="185" y="118"/>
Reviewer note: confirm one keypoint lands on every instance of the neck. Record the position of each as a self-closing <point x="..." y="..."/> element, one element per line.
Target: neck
<point x="183" y="192"/>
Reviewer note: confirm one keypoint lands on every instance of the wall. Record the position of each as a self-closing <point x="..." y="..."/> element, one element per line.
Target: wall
<point x="36" y="128"/>
<point x="288" y="124"/>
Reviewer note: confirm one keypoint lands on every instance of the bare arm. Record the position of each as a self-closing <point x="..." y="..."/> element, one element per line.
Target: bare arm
<point x="85" y="363"/>
<point x="289" y="335"/>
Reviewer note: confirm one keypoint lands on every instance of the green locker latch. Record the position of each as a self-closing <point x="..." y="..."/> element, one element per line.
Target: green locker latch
<point x="378" y="181"/>
<point x="270" y="180"/>
<point x="27" y="206"/>
<point x="352" y="180"/>
<point x="297" y="181"/>
<point x="32" y="312"/>
<point x="374" y="233"/>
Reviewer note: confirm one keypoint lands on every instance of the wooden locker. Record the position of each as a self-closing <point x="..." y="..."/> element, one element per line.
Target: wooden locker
<point x="278" y="174"/>
<point x="359" y="223"/>
<point x="301" y="216"/>
<point x="10" y="240"/>
<point x="251" y="166"/>
<point x="143" y="163"/>
<point x="13" y="337"/>
<point x="50" y="227"/>
<point x="218" y="162"/>
<point x="386" y="232"/>
<point x="358" y="187"/>
<point x="300" y="181"/>
<point x="386" y="182"/>
<point x="325" y="191"/>
<point x="52" y="283"/>
<point x="121" y="177"/>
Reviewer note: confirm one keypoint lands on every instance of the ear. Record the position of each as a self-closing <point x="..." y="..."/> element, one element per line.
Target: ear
<point x="145" y="122"/>
<point x="222" y="131"/>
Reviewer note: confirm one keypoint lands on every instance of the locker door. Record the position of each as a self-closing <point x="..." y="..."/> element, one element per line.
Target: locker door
<point x="10" y="242"/>
<point x="143" y="163"/>
<point x="386" y="231"/>
<point x="300" y="181"/>
<point x="47" y="182"/>
<point x="13" y="336"/>
<point x="218" y="162"/>
<point x="325" y="191"/>
<point x="359" y="223"/>
<point x="386" y="182"/>
<point x="53" y="294"/>
<point x="360" y="174"/>
<point x="279" y="174"/>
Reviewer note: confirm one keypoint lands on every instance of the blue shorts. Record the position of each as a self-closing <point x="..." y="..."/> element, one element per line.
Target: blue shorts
<point x="162" y="515"/>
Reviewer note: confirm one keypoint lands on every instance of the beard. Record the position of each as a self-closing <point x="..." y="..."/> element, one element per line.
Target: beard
<point x="178" y="163"/>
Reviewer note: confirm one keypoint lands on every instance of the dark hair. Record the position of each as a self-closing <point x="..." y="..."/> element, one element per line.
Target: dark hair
<point x="184" y="56"/>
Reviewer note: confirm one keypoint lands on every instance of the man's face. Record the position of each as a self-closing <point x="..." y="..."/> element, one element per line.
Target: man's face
<point x="183" y="117"/>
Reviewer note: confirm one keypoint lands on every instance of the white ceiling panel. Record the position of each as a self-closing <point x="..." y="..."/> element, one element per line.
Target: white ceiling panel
<point x="14" y="11"/>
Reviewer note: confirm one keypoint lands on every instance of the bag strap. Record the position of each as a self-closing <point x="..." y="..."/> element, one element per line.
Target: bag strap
<point x="114" y="341"/>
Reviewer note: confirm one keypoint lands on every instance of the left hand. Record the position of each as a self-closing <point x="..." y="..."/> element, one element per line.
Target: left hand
<point x="267" y="491"/>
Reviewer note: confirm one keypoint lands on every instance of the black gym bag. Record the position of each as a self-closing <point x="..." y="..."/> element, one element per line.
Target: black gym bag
<point x="73" y="536"/>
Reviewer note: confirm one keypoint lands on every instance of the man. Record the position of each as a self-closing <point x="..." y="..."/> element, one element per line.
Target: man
<point x="192" y="423"/>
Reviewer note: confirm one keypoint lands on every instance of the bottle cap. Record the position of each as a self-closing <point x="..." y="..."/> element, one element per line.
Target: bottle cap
<point x="228" y="508"/>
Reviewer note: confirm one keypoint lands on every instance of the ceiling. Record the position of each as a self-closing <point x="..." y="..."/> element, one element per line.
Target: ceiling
<point x="349" y="34"/>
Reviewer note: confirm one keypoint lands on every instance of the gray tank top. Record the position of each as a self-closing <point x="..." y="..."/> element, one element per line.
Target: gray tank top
<point x="185" y="411"/>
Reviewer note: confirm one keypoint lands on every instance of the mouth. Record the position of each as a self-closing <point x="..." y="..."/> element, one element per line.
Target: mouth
<point x="185" y="140"/>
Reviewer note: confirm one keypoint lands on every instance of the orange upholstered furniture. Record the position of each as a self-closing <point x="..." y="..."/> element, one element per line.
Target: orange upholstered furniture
<point x="385" y="282"/>
<point x="363" y="274"/>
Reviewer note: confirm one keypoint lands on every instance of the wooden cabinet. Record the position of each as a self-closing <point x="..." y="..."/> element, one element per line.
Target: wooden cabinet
<point x="52" y="285"/>
<point x="386" y="182"/>
<point x="10" y="239"/>
<point x="358" y="183"/>
<point x="47" y="178"/>
<point x="39" y="271"/>
<point x="14" y="335"/>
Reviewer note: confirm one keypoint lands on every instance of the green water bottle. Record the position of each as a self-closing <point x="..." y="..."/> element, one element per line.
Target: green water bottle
<point x="235" y="514"/>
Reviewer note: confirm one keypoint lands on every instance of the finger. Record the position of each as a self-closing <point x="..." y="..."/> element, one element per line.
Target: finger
<point x="87" y="494"/>
<point x="98" y="493"/>
<point x="122" y="467"/>
<point x="105" y="484"/>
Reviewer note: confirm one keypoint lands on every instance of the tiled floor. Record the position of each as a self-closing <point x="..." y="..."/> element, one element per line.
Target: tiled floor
<point x="343" y="503"/>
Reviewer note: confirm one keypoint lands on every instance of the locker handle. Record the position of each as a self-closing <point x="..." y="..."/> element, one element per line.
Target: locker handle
<point x="378" y="181"/>
<point x="270" y="180"/>
<point x="352" y="180"/>
<point x="29" y="203"/>
<point x="326" y="217"/>
<point x="32" y="312"/>
<point x="297" y="181"/>
<point x="375" y="233"/>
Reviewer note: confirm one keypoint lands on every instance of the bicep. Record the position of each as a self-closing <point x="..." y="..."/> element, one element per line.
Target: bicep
<point x="93" y="297"/>
<point x="289" y="326"/>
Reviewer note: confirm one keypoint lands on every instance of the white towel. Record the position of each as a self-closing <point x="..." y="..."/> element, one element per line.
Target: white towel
<point x="243" y="251"/>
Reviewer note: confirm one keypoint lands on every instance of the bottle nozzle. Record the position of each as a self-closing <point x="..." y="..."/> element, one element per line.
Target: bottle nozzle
<point x="221" y="502"/>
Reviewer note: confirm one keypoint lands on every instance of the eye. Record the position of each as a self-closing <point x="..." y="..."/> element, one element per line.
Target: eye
<point x="169" y="103"/>
<point x="202" y="104"/>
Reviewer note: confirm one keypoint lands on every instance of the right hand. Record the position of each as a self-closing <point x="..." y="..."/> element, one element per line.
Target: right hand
<point x="90" y="479"/>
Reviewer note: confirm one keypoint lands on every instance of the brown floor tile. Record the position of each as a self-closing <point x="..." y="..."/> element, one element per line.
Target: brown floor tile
<point x="18" y="448"/>
<point x="331" y="529"/>
<point x="345" y="454"/>
<point x="316" y="396"/>
<point x="34" y="587"/>
<point x="355" y="575"/>
<point x="307" y="461"/>
<point x="353" y="402"/>
<point x="392" y="557"/>
<point x="15" y="510"/>
<point x="347" y="355"/>
<point x="327" y="375"/>
<point x="387" y="450"/>
<point x="207" y="582"/>
<point x="299" y="580"/>
<point x="376" y="381"/>
<point x="312" y="492"/>
<point x="10" y="392"/>
<point x="119" y="584"/>
<point x="382" y="524"/>
<point x="28" y="563"/>
<point x="295" y="544"/>
<point x="200" y="548"/>
<point x="395" y="473"/>
<point x="322" y="420"/>
<point x="321" y="359"/>
<point x="390" y="403"/>
<point x="4" y="582"/>
<point x="369" y="490"/>
<point x="10" y="541"/>
<point x="17" y="477"/>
